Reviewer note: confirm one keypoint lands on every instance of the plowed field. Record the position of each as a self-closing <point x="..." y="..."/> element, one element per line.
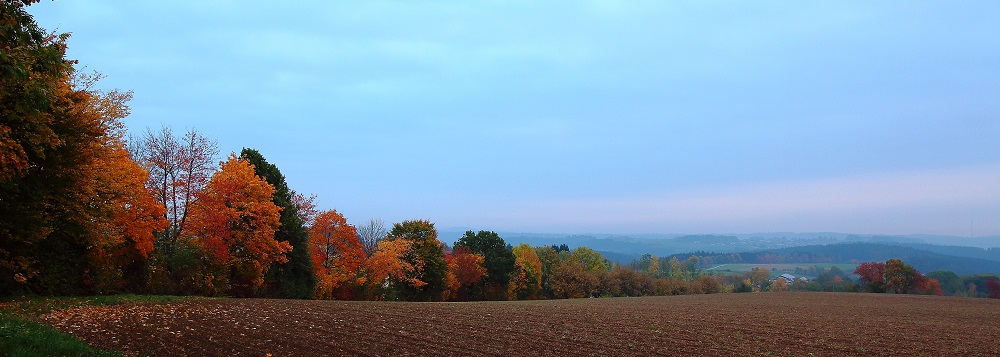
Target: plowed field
<point x="725" y="324"/>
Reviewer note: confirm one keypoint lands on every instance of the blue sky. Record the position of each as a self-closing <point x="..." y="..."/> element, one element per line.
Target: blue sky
<point x="583" y="116"/>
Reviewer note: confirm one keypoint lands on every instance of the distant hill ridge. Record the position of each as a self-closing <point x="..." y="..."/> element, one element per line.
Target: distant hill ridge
<point x="923" y="260"/>
<point x="962" y="255"/>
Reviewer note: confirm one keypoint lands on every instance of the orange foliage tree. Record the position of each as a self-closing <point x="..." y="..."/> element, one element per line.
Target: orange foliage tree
<point x="386" y="265"/>
<point x="72" y="219"/>
<point x="234" y="222"/>
<point x="129" y="219"/>
<point x="337" y="256"/>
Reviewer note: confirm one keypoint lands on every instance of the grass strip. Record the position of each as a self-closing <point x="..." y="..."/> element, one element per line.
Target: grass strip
<point x="20" y="337"/>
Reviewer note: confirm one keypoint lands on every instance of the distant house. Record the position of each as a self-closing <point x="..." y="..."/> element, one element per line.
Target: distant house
<point x="789" y="278"/>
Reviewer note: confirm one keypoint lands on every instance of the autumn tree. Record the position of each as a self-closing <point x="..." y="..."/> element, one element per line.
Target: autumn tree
<point x="294" y="278"/>
<point x="127" y="216"/>
<point x="779" y="285"/>
<point x="901" y="278"/>
<point x="609" y="284"/>
<point x="337" y="256"/>
<point x="465" y="269"/>
<point x="427" y="258"/>
<point x="632" y="282"/>
<point x="992" y="288"/>
<point x="42" y="146"/>
<point x="871" y="276"/>
<point x="305" y="207"/>
<point x="386" y="267"/>
<point x="674" y="268"/>
<point x="529" y="271"/>
<point x="72" y="219"/>
<point x="498" y="260"/>
<point x="572" y="280"/>
<point x="234" y="222"/>
<point x="896" y="277"/>
<point x="760" y="277"/>
<point x="709" y="284"/>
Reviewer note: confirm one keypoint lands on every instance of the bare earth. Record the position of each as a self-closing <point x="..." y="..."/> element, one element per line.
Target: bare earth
<point x="824" y="324"/>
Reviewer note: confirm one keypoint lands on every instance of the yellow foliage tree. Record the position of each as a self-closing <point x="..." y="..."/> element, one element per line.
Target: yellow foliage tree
<point x="779" y="285"/>
<point x="387" y="263"/>
<point x="529" y="272"/>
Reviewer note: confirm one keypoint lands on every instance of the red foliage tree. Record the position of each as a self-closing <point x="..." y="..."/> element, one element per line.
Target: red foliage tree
<point x="465" y="268"/>
<point x="993" y="288"/>
<point x="871" y="275"/>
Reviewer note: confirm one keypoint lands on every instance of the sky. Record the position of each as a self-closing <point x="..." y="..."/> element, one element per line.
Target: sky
<point x="582" y="116"/>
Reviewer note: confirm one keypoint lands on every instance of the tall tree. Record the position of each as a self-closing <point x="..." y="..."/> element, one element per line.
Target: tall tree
<point x="127" y="216"/>
<point x="294" y="278"/>
<point x="592" y="260"/>
<point x="992" y="288"/>
<point x="388" y="266"/>
<point x="871" y="276"/>
<point x="426" y="254"/>
<point x="179" y="169"/>
<point x="234" y="222"/>
<point x="498" y="260"/>
<point x="900" y="278"/>
<point x="337" y="256"/>
<point x="39" y="142"/>
<point x="530" y="267"/>
<point x="550" y="259"/>
<point x="465" y="269"/>
<point x="71" y="214"/>
<point x="305" y="206"/>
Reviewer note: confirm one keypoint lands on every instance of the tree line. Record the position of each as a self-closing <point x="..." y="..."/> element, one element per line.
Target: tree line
<point x="87" y="209"/>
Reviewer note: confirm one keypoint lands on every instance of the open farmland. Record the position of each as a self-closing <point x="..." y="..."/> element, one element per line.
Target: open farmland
<point x="724" y="324"/>
<point x="778" y="269"/>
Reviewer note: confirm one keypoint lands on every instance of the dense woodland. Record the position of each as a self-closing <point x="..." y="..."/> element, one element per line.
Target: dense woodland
<point x="86" y="209"/>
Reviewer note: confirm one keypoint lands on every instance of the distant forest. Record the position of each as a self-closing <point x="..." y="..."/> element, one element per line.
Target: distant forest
<point x="922" y="260"/>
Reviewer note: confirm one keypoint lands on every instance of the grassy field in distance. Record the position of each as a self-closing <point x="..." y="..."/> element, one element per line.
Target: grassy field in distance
<point x="778" y="269"/>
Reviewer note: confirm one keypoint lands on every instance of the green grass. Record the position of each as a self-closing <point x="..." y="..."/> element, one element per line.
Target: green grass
<point x="21" y="336"/>
<point x="777" y="269"/>
<point x="36" y="306"/>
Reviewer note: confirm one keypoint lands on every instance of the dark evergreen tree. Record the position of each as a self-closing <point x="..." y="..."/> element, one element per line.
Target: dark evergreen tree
<point x="294" y="279"/>
<point x="497" y="259"/>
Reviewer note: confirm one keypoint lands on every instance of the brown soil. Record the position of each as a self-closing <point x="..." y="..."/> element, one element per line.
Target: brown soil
<point x="822" y="324"/>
